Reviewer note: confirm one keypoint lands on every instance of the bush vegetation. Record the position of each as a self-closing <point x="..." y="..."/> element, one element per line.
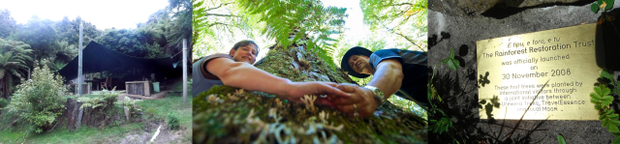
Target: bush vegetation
<point x="38" y="101"/>
<point x="173" y="122"/>
<point x="3" y="103"/>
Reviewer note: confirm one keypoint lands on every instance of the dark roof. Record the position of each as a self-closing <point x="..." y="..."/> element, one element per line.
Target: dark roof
<point x="97" y="58"/>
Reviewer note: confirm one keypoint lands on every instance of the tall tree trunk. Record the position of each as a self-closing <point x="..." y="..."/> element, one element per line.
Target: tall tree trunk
<point x="299" y="64"/>
<point x="6" y="92"/>
<point x="227" y="115"/>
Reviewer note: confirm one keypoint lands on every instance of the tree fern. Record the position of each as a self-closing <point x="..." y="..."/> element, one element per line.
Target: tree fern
<point x="13" y="58"/>
<point x="304" y="22"/>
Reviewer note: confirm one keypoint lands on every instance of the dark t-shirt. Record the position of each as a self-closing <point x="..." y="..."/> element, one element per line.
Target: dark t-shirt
<point x="414" y="70"/>
<point x="201" y="83"/>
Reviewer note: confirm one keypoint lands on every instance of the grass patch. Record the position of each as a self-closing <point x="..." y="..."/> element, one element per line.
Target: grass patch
<point x="74" y="97"/>
<point x="62" y="135"/>
<point x="177" y="86"/>
<point x="171" y="105"/>
<point x="154" y="110"/>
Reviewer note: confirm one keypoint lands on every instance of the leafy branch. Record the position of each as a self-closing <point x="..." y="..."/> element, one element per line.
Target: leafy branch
<point x="602" y="99"/>
<point x="445" y="122"/>
<point x="396" y="17"/>
<point x="309" y="22"/>
<point x="451" y="61"/>
<point x="205" y="18"/>
<point x="602" y="4"/>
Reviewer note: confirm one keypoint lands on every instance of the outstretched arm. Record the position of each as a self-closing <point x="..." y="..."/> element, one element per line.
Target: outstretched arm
<point x="388" y="78"/>
<point x="246" y="76"/>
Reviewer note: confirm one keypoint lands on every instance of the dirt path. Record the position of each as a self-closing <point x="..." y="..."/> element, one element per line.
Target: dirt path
<point x="144" y="136"/>
<point x="165" y="135"/>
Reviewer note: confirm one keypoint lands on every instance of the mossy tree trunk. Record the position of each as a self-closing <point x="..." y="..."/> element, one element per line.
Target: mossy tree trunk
<point x="299" y="64"/>
<point x="229" y="115"/>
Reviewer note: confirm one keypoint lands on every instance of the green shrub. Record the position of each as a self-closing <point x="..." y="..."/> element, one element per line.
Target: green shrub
<point x="134" y="109"/>
<point x="102" y="100"/>
<point x="38" y="101"/>
<point x="173" y="122"/>
<point x="3" y="103"/>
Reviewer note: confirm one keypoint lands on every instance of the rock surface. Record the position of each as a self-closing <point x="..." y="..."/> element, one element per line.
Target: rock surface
<point x="477" y="7"/>
<point x="451" y="27"/>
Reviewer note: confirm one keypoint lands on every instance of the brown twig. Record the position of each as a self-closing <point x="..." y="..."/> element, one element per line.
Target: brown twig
<point x="528" y="107"/>
<point x="217" y="7"/>
<point x="54" y="126"/>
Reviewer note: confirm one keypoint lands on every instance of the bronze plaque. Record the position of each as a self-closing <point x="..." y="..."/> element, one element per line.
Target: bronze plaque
<point x="513" y="69"/>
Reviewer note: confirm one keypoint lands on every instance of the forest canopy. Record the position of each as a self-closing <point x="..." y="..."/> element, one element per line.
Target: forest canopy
<point x="56" y="42"/>
<point x="394" y="23"/>
<point x="328" y="29"/>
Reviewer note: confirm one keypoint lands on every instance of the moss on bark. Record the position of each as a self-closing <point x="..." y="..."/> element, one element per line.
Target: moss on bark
<point x="225" y="114"/>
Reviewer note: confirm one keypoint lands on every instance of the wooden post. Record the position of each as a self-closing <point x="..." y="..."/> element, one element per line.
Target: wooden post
<point x="184" y="70"/>
<point x="79" y="120"/>
<point x="147" y="88"/>
<point x="79" y="88"/>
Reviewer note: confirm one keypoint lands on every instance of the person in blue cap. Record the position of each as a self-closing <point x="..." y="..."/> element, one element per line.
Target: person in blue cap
<point x="395" y="71"/>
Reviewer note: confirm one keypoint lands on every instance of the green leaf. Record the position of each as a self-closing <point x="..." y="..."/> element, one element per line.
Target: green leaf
<point x="605" y="123"/>
<point x="601" y="117"/>
<point x="561" y="139"/>
<point x="607" y="98"/>
<point x="451" y="54"/>
<point x="605" y="91"/>
<point x="602" y="91"/>
<point x="616" y="140"/>
<point x="456" y="63"/>
<point x="612" y="128"/>
<point x="598" y="90"/>
<point x="598" y="106"/>
<point x="453" y="64"/>
<point x="610" y="3"/>
<point x="615" y="122"/>
<point x="615" y="133"/>
<point x="595" y="97"/>
<point x="594" y="8"/>
<point x="606" y="75"/>
<point x="609" y="111"/>
<point x="614" y="117"/>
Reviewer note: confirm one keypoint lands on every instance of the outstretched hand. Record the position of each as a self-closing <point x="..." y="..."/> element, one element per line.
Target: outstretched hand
<point x="298" y="89"/>
<point x="361" y="97"/>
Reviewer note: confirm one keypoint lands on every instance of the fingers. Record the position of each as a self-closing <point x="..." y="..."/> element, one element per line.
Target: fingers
<point x="350" y="88"/>
<point x="344" y="100"/>
<point x="334" y="92"/>
<point x="323" y="101"/>
<point x="333" y="84"/>
<point x="348" y="109"/>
